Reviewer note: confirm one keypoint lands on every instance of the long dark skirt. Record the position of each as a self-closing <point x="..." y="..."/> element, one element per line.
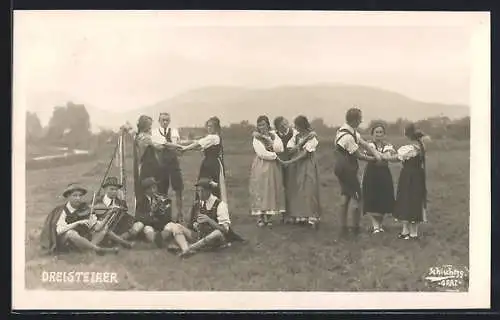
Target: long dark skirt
<point x="410" y="195"/>
<point x="211" y="168"/>
<point x="378" y="189"/>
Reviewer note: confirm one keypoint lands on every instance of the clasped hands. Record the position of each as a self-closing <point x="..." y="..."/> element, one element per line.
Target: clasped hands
<point x="381" y="158"/>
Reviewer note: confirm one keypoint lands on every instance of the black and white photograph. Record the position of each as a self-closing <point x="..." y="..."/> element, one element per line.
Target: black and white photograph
<point x="251" y="160"/>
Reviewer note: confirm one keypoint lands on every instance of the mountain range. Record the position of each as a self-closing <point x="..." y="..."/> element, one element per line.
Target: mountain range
<point x="235" y="104"/>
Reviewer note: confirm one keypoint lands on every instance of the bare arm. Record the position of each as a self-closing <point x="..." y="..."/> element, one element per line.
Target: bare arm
<point x="370" y="148"/>
<point x="193" y="146"/>
<point x="364" y="157"/>
<point x="391" y="156"/>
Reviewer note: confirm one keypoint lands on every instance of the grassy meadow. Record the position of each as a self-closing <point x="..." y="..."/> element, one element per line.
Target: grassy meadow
<point x="284" y="258"/>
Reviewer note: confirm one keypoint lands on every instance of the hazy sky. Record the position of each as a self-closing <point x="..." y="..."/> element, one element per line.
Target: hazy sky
<point x="130" y="60"/>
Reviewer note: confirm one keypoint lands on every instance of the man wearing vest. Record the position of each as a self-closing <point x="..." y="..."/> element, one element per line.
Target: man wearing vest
<point x="69" y="226"/>
<point x="110" y="204"/>
<point x="154" y="219"/>
<point x="212" y="222"/>
<point x="347" y="153"/>
<point x="169" y="173"/>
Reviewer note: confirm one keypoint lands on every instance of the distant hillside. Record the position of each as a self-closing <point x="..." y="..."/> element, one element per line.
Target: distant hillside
<point x="234" y="104"/>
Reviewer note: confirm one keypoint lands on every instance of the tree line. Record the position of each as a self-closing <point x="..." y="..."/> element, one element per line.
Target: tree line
<point x="70" y="126"/>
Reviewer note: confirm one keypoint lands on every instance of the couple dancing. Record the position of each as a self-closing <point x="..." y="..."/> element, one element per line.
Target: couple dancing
<point x="156" y="154"/>
<point x="284" y="177"/>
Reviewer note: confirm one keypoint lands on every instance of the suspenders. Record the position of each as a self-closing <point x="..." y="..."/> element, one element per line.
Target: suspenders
<point x="345" y="133"/>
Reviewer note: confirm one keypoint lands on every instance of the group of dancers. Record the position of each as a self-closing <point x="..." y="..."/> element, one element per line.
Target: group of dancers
<point x="285" y="177"/>
<point x="284" y="182"/>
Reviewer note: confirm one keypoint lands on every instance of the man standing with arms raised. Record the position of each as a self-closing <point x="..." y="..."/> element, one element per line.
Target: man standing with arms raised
<point x="169" y="173"/>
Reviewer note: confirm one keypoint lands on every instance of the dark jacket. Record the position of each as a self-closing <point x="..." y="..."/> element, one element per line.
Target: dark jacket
<point x="146" y="214"/>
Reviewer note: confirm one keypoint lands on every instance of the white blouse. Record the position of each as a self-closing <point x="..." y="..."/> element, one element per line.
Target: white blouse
<point x="385" y="149"/>
<point x="309" y="146"/>
<point x="263" y="153"/>
<point x="209" y="141"/>
<point x="407" y="152"/>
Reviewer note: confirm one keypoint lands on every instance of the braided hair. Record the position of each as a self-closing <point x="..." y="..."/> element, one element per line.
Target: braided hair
<point x="218" y="130"/>
<point x="416" y="135"/>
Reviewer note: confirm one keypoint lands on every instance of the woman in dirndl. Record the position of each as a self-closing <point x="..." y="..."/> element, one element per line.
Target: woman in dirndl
<point x="411" y="197"/>
<point x="377" y="186"/>
<point x="303" y="176"/>
<point x="146" y="154"/>
<point x="267" y="194"/>
<point x="212" y="165"/>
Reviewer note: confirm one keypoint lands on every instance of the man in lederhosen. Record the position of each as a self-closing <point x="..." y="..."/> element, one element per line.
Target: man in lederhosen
<point x="212" y="222"/>
<point x="347" y="153"/>
<point x="70" y="226"/>
<point x="109" y="204"/>
<point x="169" y="173"/>
<point x="153" y="219"/>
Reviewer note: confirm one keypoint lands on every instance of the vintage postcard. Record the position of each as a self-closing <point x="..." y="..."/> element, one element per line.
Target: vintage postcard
<point x="249" y="160"/>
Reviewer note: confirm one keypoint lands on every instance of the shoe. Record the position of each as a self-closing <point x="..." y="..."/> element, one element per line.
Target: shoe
<point x="404" y="236"/>
<point x="260" y="223"/>
<point x="314" y="224"/>
<point x="186" y="254"/>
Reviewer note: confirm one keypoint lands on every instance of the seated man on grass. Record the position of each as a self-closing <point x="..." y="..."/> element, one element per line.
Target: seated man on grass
<point x="112" y="215"/>
<point x="69" y="226"/>
<point x="154" y="218"/>
<point x="211" y="221"/>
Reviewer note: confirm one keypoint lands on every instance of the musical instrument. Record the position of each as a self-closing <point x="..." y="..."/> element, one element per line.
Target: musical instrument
<point x="161" y="206"/>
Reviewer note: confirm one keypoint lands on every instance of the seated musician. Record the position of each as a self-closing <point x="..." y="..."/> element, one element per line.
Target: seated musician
<point x="69" y="226"/>
<point x="154" y="218"/>
<point x="111" y="212"/>
<point x="211" y="222"/>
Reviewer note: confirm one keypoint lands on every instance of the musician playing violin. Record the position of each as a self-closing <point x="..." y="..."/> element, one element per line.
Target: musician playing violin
<point x="69" y="226"/>
<point x="154" y="218"/>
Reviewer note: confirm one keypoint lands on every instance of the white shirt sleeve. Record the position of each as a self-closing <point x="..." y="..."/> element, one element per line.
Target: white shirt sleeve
<point x="157" y="138"/>
<point x="208" y="141"/>
<point x="388" y="148"/>
<point x="61" y="223"/>
<point x="347" y="142"/>
<point x="407" y="152"/>
<point x="310" y="146"/>
<point x="223" y="215"/>
<point x="261" y="151"/>
<point x="174" y="135"/>
<point x="277" y="144"/>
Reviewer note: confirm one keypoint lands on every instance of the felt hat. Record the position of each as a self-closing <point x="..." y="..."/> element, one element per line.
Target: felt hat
<point x="73" y="187"/>
<point x="111" y="181"/>
<point x="148" y="182"/>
